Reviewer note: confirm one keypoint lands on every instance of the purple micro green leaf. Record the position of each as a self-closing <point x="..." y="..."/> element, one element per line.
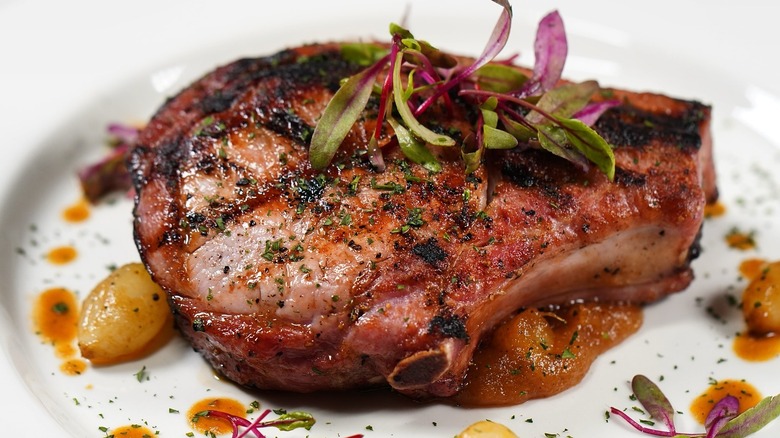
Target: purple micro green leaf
<point x="106" y="175"/>
<point x="406" y="113"/>
<point x="418" y="58"/>
<point x="753" y="419"/>
<point x="720" y="414"/>
<point x="342" y="112"/>
<point x="550" y="49"/>
<point x="592" y="111"/>
<point x="412" y="148"/>
<point x="494" y="46"/>
<point x="563" y="101"/>
<point x="436" y="56"/>
<point x="123" y="133"/>
<point x="647" y="392"/>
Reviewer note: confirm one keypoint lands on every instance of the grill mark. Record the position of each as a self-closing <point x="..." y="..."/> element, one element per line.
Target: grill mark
<point x="629" y="178"/>
<point x="290" y="126"/>
<point x="628" y="126"/>
<point x="430" y="252"/>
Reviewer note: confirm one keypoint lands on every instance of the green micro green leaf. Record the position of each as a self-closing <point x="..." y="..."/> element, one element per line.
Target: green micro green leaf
<point x="406" y="114"/>
<point x="497" y="139"/>
<point x="499" y="78"/>
<point x="412" y="148"/>
<point x="563" y="101"/>
<point x="363" y="54"/>
<point x="591" y="144"/>
<point x="342" y="112"/>
<point x="294" y="420"/>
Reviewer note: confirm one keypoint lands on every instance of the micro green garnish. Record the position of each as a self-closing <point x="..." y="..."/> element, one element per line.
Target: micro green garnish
<point x="721" y="422"/>
<point x="514" y="109"/>
<point x="286" y="421"/>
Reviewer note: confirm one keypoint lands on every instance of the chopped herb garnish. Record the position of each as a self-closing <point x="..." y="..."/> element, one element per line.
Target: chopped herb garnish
<point x="60" y="308"/>
<point x="142" y="374"/>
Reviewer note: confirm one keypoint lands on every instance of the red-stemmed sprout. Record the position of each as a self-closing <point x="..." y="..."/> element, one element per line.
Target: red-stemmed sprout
<point x="286" y="421"/>
<point x="110" y="173"/>
<point x="723" y="420"/>
<point x="537" y="111"/>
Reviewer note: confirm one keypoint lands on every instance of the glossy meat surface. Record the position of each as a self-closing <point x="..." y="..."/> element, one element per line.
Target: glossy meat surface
<point x="284" y="277"/>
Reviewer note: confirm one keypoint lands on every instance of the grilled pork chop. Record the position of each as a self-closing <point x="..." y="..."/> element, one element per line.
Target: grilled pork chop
<point x="284" y="277"/>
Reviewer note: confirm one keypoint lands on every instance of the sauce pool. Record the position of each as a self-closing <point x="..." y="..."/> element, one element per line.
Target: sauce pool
<point x="716" y="209"/>
<point x="539" y="353"/>
<point x="61" y="255"/>
<point x="77" y="212"/>
<point x="737" y="239"/>
<point x="132" y="431"/>
<point x="213" y="425"/>
<point x="56" y="316"/>
<point x="746" y="393"/>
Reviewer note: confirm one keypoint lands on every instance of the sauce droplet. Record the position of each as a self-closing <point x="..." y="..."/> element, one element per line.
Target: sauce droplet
<point x="56" y="319"/>
<point x="756" y="348"/>
<point x="207" y="425"/>
<point x="132" y="431"/>
<point x="78" y="212"/>
<point x="73" y="367"/>
<point x="746" y="393"/>
<point x="740" y="240"/>
<point x="716" y="209"/>
<point x="751" y="268"/>
<point x="62" y="255"/>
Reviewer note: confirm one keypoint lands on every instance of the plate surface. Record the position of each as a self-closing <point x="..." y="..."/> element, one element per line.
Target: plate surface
<point x="81" y="64"/>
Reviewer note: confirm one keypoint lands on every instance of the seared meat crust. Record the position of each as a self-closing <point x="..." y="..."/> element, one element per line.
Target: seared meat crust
<point x="284" y="277"/>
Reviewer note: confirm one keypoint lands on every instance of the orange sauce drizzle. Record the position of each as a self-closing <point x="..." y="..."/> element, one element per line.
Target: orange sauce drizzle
<point x="132" y="431"/>
<point x="217" y="426"/>
<point x="716" y="209"/>
<point x="62" y="255"/>
<point x="746" y="393"/>
<point x="56" y="319"/>
<point x="77" y="212"/>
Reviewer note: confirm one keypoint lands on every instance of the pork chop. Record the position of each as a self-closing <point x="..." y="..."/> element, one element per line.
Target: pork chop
<point x="285" y="277"/>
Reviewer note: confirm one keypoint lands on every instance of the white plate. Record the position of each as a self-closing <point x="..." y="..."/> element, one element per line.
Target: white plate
<point x="68" y="68"/>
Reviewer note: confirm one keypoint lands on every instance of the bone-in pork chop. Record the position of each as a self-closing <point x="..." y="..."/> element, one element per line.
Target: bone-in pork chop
<point x="286" y="277"/>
